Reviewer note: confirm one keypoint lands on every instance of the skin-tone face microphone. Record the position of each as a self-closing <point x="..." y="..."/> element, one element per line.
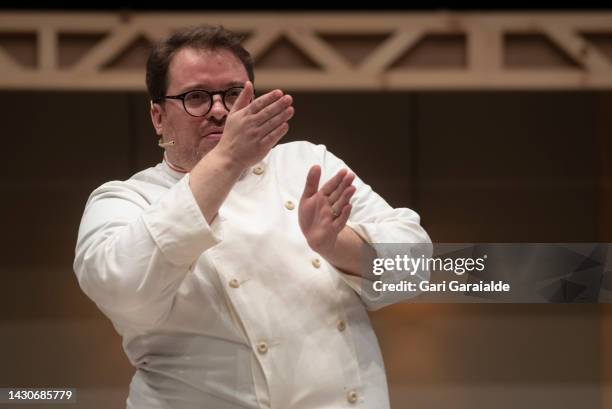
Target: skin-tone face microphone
<point x="161" y="143"/>
<point x="164" y="144"/>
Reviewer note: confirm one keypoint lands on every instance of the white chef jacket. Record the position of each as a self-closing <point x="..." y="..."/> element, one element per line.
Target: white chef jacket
<point x="240" y="313"/>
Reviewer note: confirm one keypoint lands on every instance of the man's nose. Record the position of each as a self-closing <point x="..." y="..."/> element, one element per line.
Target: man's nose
<point x="217" y="110"/>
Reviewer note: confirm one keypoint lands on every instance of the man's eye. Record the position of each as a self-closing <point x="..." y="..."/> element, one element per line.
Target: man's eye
<point x="196" y="97"/>
<point x="234" y="92"/>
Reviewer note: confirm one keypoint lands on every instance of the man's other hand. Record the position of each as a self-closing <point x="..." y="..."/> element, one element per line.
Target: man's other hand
<point x="323" y="213"/>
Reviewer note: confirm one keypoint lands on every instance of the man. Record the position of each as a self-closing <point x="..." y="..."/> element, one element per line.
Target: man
<point x="234" y="279"/>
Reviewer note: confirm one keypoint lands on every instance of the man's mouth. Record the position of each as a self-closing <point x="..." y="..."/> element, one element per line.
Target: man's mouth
<point x="214" y="136"/>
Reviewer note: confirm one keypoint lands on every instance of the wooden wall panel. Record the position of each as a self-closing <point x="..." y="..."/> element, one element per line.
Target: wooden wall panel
<point x="476" y="166"/>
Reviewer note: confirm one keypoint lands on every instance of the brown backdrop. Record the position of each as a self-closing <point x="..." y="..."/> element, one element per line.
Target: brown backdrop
<point x="477" y="166"/>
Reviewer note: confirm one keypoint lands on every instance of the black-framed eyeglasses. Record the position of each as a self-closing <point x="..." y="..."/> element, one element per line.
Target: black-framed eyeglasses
<point x="198" y="102"/>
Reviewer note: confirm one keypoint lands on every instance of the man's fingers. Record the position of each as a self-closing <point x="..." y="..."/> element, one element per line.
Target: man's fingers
<point x="312" y="182"/>
<point x="274" y="109"/>
<point x="336" y="208"/>
<point x="273" y="137"/>
<point x="277" y="121"/>
<point x="333" y="183"/>
<point x="245" y="97"/>
<point x="346" y="181"/>
<point x="340" y="221"/>
<point x="344" y="198"/>
<point x="263" y="101"/>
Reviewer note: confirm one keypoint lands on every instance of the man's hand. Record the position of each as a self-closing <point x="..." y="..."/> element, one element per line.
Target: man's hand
<point x="253" y="128"/>
<point x="323" y="213"/>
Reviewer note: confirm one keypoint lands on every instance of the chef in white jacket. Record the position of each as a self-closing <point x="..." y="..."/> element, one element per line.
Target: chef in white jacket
<point x="234" y="276"/>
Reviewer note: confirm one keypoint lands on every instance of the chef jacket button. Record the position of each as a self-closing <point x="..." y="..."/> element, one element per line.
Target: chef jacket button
<point x="234" y="283"/>
<point x="316" y="263"/>
<point x="341" y="325"/>
<point x="352" y="397"/>
<point x="258" y="169"/>
<point x="262" y="347"/>
<point x="289" y="205"/>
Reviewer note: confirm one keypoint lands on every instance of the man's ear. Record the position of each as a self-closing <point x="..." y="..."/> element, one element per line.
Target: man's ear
<point x="157" y="118"/>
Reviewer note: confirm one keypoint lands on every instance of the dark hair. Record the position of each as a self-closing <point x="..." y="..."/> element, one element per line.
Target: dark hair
<point x="203" y="37"/>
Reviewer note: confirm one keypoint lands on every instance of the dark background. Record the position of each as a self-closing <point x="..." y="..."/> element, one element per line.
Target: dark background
<point x="477" y="167"/>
